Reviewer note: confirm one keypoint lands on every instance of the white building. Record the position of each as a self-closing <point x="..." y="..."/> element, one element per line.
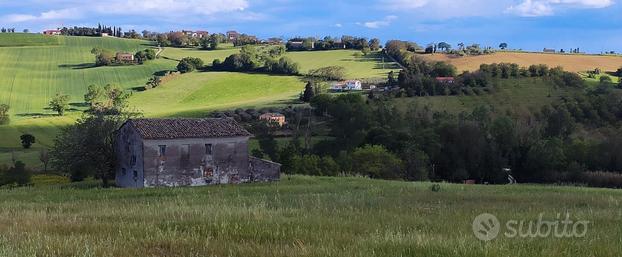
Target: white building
<point x="353" y="85"/>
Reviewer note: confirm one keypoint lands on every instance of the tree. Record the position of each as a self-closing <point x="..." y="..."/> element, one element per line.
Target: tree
<point x="503" y="46"/>
<point x="4" y="114"/>
<point x="374" y="44"/>
<point x="308" y="94"/>
<point x="44" y="157"/>
<point x="86" y="148"/>
<point x="444" y="46"/>
<point x="59" y="103"/>
<point x="189" y="64"/>
<point x="93" y="95"/>
<point x="329" y="73"/>
<point x="376" y="162"/>
<point x="27" y="140"/>
<point x="16" y="175"/>
<point x="366" y="50"/>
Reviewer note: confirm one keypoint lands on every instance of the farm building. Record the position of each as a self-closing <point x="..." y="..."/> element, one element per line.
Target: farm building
<point x="125" y="57"/>
<point x="446" y="80"/>
<point x="233" y="35"/>
<point x="273" y="118"/>
<point x="51" y="32"/>
<point x="187" y="152"/>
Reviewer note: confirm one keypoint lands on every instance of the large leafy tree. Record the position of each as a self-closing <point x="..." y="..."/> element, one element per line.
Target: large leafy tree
<point x="59" y="103"/>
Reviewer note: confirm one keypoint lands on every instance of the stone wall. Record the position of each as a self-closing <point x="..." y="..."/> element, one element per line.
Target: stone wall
<point x="263" y="170"/>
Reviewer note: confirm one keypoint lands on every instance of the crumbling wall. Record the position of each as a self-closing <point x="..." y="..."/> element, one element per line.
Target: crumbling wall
<point x="188" y="163"/>
<point x="264" y="170"/>
<point x="129" y="155"/>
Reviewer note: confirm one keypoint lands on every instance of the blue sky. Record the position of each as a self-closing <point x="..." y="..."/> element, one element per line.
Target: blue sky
<point x="592" y="25"/>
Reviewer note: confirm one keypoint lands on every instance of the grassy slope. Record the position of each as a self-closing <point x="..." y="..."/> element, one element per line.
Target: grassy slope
<point x="574" y="63"/>
<point x="370" y="66"/>
<point x="193" y="94"/>
<point x="301" y="216"/>
<point x="526" y="94"/>
<point x="22" y="39"/>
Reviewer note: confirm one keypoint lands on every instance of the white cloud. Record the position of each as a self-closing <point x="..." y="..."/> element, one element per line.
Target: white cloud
<point x="534" y="8"/>
<point x="158" y="9"/>
<point x="471" y="8"/>
<point x="380" y="23"/>
<point x="70" y="13"/>
<point x="338" y="25"/>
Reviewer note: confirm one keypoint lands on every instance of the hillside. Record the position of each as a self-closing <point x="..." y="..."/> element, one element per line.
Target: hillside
<point x="574" y="63"/>
<point x="300" y="216"/>
<point x="196" y="93"/>
<point x="30" y="76"/>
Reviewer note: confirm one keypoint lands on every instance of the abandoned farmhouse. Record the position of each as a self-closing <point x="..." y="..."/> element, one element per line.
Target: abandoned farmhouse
<point x="187" y="152"/>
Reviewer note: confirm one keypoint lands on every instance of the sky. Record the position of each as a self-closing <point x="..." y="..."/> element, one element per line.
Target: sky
<point x="591" y="25"/>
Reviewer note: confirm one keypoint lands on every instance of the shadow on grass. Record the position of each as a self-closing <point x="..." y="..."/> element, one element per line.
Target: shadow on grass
<point x="80" y="66"/>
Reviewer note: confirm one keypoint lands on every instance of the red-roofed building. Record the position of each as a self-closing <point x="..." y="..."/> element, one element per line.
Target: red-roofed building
<point x="448" y="80"/>
<point x="51" y="32"/>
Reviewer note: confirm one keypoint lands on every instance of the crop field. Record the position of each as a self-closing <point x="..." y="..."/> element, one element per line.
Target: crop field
<point x="194" y="94"/>
<point x="301" y="216"/>
<point x="570" y="62"/>
<point x="22" y="39"/>
<point x="30" y="76"/>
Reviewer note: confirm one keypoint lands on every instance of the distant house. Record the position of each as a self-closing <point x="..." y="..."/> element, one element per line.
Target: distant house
<point x="187" y="152"/>
<point x="202" y="33"/>
<point x="445" y="80"/>
<point x="52" y="32"/>
<point x="548" y="50"/>
<point x="348" y="85"/>
<point x="104" y="34"/>
<point x="125" y="57"/>
<point x="233" y="35"/>
<point x="339" y="45"/>
<point x="298" y="45"/>
<point x="273" y="118"/>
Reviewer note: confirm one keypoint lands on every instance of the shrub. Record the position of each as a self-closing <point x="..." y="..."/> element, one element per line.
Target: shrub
<point x="435" y="187"/>
<point x="16" y="175"/>
<point x="377" y="162"/>
<point x="602" y="179"/>
<point x="27" y="140"/>
<point x="4" y="114"/>
<point x="189" y="64"/>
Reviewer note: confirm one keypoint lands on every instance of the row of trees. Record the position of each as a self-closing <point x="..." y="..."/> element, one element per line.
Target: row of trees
<point x="264" y="59"/>
<point x="92" y="32"/>
<point x="330" y="43"/>
<point x="105" y="57"/>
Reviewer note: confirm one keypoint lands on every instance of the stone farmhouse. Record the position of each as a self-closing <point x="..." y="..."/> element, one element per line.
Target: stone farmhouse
<point x="187" y="152"/>
<point x="125" y="57"/>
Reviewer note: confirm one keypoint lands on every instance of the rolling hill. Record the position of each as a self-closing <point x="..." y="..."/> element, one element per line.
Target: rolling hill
<point x="570" y="62"/>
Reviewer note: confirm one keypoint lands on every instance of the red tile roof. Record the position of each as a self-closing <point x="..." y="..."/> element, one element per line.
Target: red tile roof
<point x="187" y="128"/>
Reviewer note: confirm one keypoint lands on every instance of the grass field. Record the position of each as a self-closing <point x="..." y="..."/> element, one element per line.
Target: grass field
<point x="194" y="94"/>
<point x="362" y="67"/>
<point x="301" y="216"/>
<point x="30" y="76"/>
<point x="24" y="39"/>
<point x="574" y="63"/>
<point x="526" y="94"/>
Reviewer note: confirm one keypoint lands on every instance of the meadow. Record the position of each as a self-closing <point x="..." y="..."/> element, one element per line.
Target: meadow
<point x="301" y="216"/>
<point x="517" y="96"/>
<point x="570" y="62"/>
<point x="197" y="93"/>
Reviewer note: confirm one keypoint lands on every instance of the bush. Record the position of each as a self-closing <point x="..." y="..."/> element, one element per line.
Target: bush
<point x="377" y="162"/>
<point x="4" y="114"/>
<point x="189" y="64"/>
<point x="435" y="187"/>
<point x="16" y="175"/>
<point x="329" y="73"/>
<point x="602" y="179"/>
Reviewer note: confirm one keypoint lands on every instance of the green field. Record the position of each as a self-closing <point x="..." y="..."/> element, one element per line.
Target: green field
<point x="526" y="94"/>
<point x="30" y="76"/>
<point x="23" y="39"/>
<point x="357" y="67"/>
<point x="301" y="216"/>
<point x="194" y="94"/>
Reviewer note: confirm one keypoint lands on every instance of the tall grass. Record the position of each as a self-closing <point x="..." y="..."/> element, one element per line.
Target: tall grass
<point x="299" y="216"/>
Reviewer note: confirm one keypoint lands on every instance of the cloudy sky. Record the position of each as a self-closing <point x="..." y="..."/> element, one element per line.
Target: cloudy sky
<point x="592" y="25"/>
